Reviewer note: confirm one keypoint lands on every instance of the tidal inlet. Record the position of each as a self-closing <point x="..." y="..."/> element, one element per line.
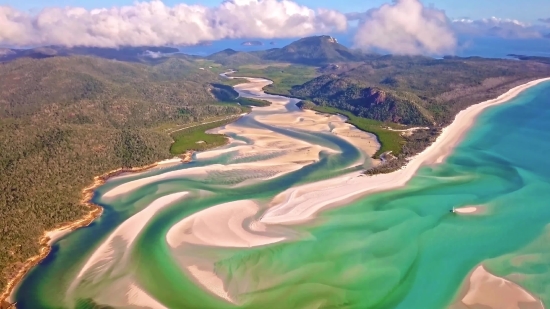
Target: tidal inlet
<point x="283" y="217"/>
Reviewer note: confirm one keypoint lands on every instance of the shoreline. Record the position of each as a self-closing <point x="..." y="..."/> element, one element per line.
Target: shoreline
<point x="303" y="203"/>
<point x="337" y="189"/>
<point x="49" y="237"/>
<point x="316" y="196"/>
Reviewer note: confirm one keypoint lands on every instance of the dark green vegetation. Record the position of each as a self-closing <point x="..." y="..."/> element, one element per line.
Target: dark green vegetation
<point x="64" y="120"/>
<point x="196" y="138"/>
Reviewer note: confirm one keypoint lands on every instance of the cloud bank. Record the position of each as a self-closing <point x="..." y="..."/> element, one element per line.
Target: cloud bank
<point x="401" y="27"/>
<point x="405" y="27"/>
<point x="154" y="23"/>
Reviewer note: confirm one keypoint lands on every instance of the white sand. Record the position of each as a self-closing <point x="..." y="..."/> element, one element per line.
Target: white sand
<point x="120" y="291"/>
<point x="486" y="290"/>
<point x="136" y="296"/>
<point x="55" y="235"/>
<point x="121" y="239"/>
<point x="198" y="172"/>
<point x="225" y="225"/>
<point x="210" y="281"/>
<point x="221" y="226"/>
<point x="470" y="210"/>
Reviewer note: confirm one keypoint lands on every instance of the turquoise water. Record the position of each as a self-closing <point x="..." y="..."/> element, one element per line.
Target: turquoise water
<point x="396" y="249"/>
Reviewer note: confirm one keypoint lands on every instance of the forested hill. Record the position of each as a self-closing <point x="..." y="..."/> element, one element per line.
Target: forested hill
<point x="416" y="90"/>
<point x="315" y="51"/>
<point x="64" y="120"/>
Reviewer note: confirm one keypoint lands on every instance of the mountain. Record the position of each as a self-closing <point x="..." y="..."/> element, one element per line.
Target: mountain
<point x="315" y="50"/>
<point x="132" y="54"/>
<point x="230" y="57"/>
<point x="365" y="101"/>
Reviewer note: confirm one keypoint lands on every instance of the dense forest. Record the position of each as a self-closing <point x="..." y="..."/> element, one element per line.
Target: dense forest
<point x="64" y="120"/>
<point x="417" y="90"/>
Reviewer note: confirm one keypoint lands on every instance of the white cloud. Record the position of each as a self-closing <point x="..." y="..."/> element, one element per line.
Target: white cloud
<point x="499" y="27"/>
<point x="405" y="27"/>
<point x="152" y="54"/>
<point x="154" y="23"/>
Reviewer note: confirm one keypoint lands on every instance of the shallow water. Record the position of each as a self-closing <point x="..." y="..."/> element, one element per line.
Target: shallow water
<point x="396" y="249"/>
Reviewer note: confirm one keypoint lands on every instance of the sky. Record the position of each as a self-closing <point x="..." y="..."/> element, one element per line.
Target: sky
<point x="395" y="26"/>
<point x="523" y="10"/>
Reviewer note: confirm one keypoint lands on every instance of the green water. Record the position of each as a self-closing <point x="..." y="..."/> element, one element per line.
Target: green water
<point x="396" y="249"/>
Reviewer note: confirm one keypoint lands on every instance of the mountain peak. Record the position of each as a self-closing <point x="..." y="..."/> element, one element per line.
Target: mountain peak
<point x="313" y="50"/>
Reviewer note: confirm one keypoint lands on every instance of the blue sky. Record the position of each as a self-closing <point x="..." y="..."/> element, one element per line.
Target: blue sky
<point x="524" y="10"/>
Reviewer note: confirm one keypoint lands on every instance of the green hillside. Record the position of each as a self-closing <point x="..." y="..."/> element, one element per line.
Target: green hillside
<point x="231" y="58"/>
<point x="417" y="90"/>
<point x="64" y="120"/>
<point x="315" y="50"/>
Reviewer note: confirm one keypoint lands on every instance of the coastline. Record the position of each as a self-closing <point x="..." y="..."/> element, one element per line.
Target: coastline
<point x="302" y="203"/>
<point x="49" y="237"/>
<point x="309" y="198"/>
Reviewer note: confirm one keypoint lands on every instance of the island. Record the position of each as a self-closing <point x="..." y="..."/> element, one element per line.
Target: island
<point x="304" y="128"/>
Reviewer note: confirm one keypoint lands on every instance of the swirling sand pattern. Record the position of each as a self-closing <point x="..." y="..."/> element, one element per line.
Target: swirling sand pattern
<point x="254" y="224"/>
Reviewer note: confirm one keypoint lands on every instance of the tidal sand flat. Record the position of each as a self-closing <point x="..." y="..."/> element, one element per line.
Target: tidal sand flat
<point x="282" y="215"/>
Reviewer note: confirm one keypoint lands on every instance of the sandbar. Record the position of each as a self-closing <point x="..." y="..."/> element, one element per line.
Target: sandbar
<point x="485" y="290"/>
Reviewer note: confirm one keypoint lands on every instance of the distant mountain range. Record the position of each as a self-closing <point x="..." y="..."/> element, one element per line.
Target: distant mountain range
<point x="408" y="90"/>
<point x="230" y="57"/>
<point x="131" y="54"/>
<point x="317" y="50"/>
